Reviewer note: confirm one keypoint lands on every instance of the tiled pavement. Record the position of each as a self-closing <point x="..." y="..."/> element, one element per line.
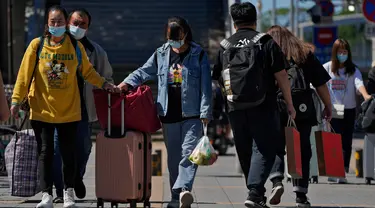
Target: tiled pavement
<point x="220" y="186"/>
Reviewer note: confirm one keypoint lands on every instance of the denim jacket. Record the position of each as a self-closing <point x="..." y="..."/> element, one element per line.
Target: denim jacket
<point x="196" y="89"/>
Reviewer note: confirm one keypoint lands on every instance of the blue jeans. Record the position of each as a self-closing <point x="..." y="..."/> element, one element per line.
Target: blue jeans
<point x="180" y="139"/>
<point x="83" y="145"/>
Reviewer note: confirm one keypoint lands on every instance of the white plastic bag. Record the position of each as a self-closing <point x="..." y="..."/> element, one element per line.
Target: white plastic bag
<point x="204" y="154"/>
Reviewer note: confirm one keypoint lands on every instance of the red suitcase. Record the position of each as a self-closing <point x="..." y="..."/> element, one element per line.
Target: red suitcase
<point x="123" y="166"/>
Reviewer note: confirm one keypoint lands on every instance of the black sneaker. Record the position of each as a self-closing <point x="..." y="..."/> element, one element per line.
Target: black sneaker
<point x="80" y="189"/>
<point x="276" y="193"/>
<point x="302" y="202"/>
<point x="256" y="202"/>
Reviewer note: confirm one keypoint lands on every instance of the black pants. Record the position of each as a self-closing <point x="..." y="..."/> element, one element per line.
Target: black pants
<point x="345" y="127"/>
<point x="44" y="133"/>
<point x="255" y="133"/>
<point x="299" y="185"/>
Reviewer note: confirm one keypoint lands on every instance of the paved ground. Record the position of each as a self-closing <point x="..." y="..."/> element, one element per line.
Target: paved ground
<point x="90" y="200"/>
<point x="220" y="186"/>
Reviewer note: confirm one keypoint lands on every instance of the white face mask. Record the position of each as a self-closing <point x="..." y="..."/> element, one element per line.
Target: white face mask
<point x="77" y="32"/>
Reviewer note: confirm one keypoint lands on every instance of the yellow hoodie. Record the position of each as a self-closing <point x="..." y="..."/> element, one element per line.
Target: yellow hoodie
<point x="54" y="93"/>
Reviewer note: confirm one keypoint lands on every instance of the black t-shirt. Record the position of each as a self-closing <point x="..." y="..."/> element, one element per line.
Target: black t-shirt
<point x="274" y="58"/>
<point x="314" y="72"/>
<point x="174" y="112"/>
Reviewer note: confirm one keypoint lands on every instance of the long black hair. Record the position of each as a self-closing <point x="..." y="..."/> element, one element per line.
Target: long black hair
<point x="350" y="67"/>
<point x="176" y="25"/>
<point x="51" y="9"/>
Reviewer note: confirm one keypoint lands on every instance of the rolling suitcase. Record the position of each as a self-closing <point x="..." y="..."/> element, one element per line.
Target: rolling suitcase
<point x="123" y="165"/>
<point x="368" y="157"/>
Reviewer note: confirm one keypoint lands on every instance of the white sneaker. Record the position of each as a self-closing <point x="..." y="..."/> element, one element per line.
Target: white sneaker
<point x="46" y="201"/>
<point x="69" y="198"/>
<point x="186" y="199"/>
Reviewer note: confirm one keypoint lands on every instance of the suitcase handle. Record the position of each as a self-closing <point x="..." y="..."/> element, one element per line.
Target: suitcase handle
<point x="122" y="115"/>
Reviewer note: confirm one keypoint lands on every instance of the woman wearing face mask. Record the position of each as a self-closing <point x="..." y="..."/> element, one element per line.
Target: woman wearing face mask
<point x="182" y="71"/>
<point x="54" y="98"/>
<point x="345" y="83"/>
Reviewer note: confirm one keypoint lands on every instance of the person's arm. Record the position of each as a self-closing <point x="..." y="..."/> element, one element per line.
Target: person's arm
<point x="143" y="74"/>
<point x="25" y="73"/>
<point x="324" y="95"/>
<point x="206" y="89"/>
<point x="358" y="82"/>
<point x="4" y="108"/>
<point x="218" y="66"/>
<point x="87" y="70"/>
<point x="278" y="65"/>
<point x="364" y="93"/>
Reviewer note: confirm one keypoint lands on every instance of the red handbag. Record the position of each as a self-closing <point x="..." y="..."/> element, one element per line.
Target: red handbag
<point x="293" y="149"/>
<point x="330" y="155"/>
<point x="140" y="109"/>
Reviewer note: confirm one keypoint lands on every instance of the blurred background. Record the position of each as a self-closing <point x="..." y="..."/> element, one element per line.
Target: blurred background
<point x="131" y="30"/>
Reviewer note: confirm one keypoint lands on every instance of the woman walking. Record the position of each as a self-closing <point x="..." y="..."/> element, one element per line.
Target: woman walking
<point x="51" y="87"/>
<point x="181" y="69"/>
<point x="346" y="82"/>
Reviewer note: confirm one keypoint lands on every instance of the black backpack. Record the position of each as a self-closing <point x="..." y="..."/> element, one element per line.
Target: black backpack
<point x="243" y="73"/>
<point x="366" y="118"/>
<point x="302" y="96"/>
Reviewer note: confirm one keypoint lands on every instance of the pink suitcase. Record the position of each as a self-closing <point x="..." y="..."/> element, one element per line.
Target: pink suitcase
<point x="123" y="166"/>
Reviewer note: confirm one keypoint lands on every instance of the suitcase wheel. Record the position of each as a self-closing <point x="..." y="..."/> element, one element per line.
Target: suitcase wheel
<point x="315" y="179"/>
<point x="114" y="205"/>
<point x="368" y="181"/>
<point x="147" y="204"/>
<point x="100" y="203"/>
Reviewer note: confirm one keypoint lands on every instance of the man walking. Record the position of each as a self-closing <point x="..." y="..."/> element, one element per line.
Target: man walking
<point x="79" y="22"/>
<point x="248" y="66"/>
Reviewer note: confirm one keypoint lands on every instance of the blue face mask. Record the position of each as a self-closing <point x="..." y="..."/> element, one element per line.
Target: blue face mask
<point x="77" y="32"/>
<point x="342" y="57"/>
<point x="176" y="44"/>
<point x="57" y="31"/>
